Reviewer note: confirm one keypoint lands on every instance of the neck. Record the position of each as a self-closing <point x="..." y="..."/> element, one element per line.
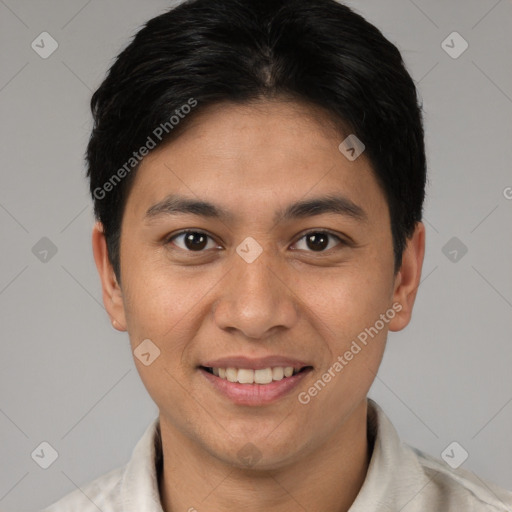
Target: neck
<point x="327" y="479"/>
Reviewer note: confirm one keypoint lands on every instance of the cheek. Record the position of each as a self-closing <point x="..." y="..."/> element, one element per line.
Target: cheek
<point x="158" y="306"/>
<point x="347" y="316"/>
<point x="169" y="306"/>
<point x="163" y="309"/>
<point x="156" y="296"/>
<point x="347" y="300"/>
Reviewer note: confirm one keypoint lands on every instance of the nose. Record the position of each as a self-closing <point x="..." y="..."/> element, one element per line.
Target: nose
<point x="256" y="300"/>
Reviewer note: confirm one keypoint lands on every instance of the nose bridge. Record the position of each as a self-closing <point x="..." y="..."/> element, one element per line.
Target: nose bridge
<point x="255" y="298"/>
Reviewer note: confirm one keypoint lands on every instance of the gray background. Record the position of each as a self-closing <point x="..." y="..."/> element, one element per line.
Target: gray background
<point x="66" y="377"/>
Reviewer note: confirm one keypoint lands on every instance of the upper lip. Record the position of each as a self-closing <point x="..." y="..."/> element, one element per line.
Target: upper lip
<point x="254" y="363"/>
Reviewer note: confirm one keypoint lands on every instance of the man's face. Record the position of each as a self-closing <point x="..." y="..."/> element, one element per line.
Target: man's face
<point x="210" y="298"/>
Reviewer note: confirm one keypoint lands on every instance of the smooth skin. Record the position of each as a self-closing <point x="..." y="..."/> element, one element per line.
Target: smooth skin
<point x="294" y="300"/>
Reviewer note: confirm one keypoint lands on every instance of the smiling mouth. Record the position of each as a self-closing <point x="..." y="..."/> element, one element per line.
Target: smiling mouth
<point x="248" y="376"/>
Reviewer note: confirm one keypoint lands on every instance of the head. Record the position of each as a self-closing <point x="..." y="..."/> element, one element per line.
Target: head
<point x="234" y="221"/>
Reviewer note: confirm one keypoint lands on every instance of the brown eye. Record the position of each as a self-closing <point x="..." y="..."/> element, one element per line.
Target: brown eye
<point x="318" y="241"/>
<point x="194" y="241"/>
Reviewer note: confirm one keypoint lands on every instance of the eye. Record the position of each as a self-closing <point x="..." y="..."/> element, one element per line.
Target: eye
<point x="194" y="241"/>
<point x="318" y="241"/>
<point x="197" y="241"/>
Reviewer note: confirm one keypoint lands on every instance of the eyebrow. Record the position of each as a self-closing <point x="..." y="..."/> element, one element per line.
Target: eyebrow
<point x="175" y="204"/>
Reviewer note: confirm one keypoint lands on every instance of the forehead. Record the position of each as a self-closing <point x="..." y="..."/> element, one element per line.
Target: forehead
<point x="254" y="126"/>
<point x="254" y="154"/>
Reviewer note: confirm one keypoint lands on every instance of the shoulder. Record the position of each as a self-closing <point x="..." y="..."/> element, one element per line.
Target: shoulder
<point x="133" y="485"/>
<point x="460" y="489"/>
<point x="402" y="477"/>
<point x="103" y="494"/>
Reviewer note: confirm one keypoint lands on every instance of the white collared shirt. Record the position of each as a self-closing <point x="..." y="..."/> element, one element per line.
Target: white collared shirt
<point x="399" y="478"/>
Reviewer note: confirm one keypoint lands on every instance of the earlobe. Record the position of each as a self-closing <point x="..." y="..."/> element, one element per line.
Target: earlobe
<point x="408" y="278"/>
<point x="112" y="293"/>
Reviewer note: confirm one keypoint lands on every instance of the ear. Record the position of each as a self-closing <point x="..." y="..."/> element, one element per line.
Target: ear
<point x="408" y="277"/>
<point x="112" y="293"/>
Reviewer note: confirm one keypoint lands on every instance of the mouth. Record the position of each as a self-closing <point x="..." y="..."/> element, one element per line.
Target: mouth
<point x="254" y="387"/>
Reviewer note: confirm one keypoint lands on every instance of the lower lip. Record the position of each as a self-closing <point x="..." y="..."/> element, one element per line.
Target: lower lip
<point x="255" y="394"/>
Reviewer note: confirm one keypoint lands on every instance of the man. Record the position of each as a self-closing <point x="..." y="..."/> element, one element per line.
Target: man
<point x="258" y="172"/>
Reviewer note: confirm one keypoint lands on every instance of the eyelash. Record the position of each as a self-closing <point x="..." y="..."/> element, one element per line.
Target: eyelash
<point x="316" y="231"/>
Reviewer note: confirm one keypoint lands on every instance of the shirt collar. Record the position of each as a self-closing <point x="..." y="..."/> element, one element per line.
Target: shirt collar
<point x="392" y="467"/>
<point x="139" y="486"/>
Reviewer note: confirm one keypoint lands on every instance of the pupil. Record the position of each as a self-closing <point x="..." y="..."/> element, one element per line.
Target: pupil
<point x="317" y="241"/>
<point x="192" y="238"/>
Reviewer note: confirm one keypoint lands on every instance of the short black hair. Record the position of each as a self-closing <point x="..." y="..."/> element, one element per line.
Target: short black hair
<point x="204" y="52"/>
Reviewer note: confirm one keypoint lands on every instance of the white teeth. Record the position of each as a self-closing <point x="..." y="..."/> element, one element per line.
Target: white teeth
<point x="248" y="376"/>
<point x="231" y="374"/>
<point x="263" y="376"/>
<point x="245" y="376"/>
<point x="277" y="373"/>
